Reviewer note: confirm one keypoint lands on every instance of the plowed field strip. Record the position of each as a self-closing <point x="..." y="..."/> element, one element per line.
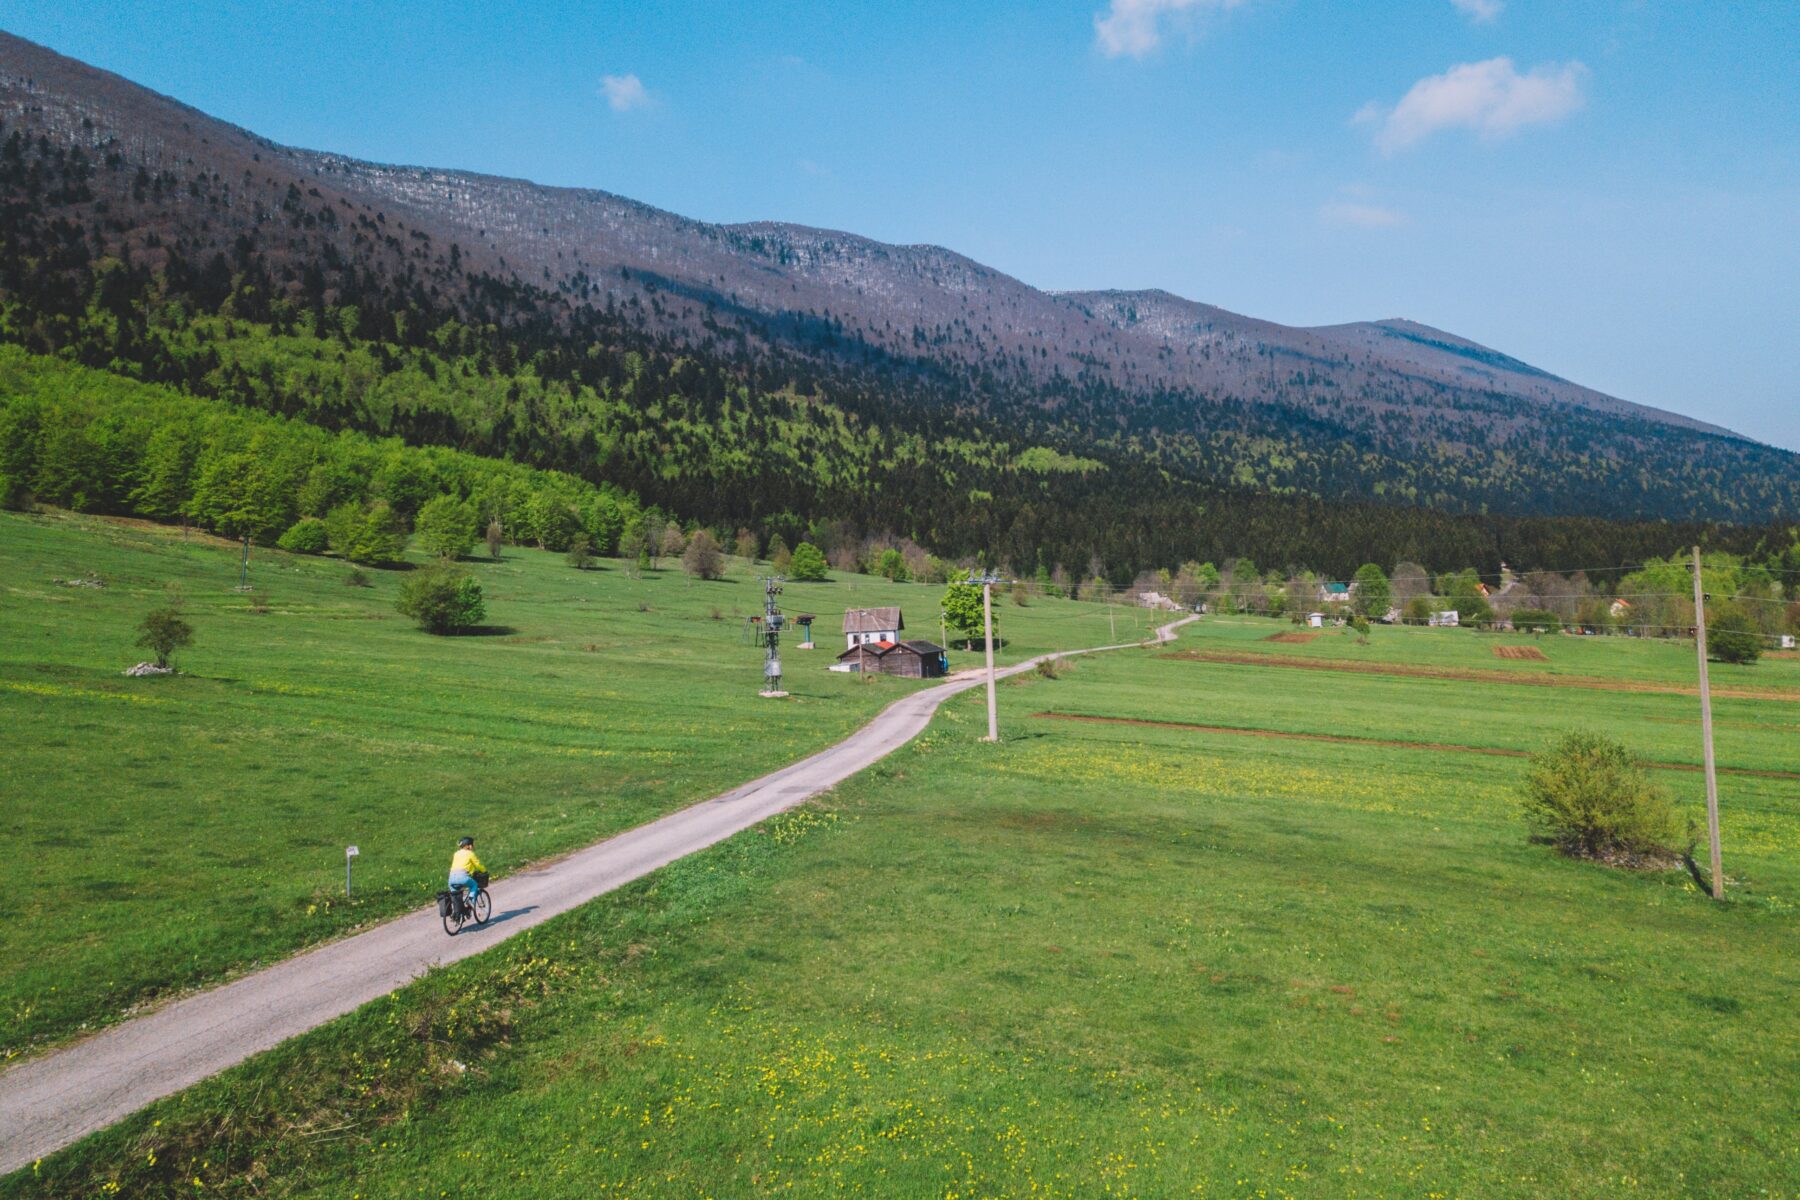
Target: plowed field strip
<point x="1479" y="675"/>
<point x="1351" y="740"/>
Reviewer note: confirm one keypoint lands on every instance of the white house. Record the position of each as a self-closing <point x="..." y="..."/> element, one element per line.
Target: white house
<point x="1449" y="617"/>
<point x="1787" y="641"/>
<point x="864" y="625"/>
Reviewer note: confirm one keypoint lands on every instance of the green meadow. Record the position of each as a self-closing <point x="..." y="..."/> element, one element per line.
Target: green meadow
<point x="165" y="832"/>
<point x="1167" y="952"/>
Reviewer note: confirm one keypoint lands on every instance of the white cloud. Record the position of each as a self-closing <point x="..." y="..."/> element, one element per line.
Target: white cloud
<point x="1490" y="98"/>
<point x="1362" y="216"/>
<point x="624" y="92"/>
<point x="1134" y="28"/>
<point x="1482" y="12"/>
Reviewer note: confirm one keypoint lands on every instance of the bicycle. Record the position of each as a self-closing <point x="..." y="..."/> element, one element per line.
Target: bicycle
<point x="457" y="911"/>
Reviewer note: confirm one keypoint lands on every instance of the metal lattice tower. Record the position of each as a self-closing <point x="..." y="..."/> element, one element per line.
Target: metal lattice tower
<point x="771" y="632"/>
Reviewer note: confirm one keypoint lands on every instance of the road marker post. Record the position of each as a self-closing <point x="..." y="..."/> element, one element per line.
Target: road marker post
<point x="350" y="853"/>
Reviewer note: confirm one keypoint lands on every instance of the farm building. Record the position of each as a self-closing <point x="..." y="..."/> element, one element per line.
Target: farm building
<point x="865" y="625"/>
<point x="912" y="660"/>
<point x="1334" y="593"/>
<point x="1448" y="618"/>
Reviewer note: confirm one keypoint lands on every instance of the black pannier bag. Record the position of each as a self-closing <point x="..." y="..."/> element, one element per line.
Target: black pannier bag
<point x="443" y="904"/>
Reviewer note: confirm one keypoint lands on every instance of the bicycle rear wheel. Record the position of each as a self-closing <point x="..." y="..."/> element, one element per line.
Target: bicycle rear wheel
<point x="452" y="922"/>
<point x="484" y="907"/>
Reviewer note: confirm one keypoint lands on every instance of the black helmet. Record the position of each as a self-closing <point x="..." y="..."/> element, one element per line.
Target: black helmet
<point x="468" y="841"/>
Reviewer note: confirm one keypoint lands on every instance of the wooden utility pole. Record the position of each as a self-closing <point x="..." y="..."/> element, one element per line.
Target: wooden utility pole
<point x="1706" y="732"/>
<point x="987" y="620"/>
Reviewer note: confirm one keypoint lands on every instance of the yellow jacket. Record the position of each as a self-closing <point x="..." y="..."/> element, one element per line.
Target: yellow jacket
<point x="464" y="860"/>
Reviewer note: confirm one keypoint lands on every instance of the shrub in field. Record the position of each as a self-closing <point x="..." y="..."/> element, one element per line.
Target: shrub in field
<point x="305" y="536"/>
<point x="442" y="599"/>
<point x="495" y="534"/>
<point x="807" y="564"/>
<point x="1536" y="620"/>
<point x="1587" y="796"/>
<point x="702" y="557"/>
<point x="446" y="527"/>
<point x="163" y="632"/>
<point x="1360" y="625"/>
<point x="357" y="579"/>
<point x="365" y="535"/>
<point x="581" y="554"/>
<point x="1731" y="638"/>
<point x="1418" y="611"/>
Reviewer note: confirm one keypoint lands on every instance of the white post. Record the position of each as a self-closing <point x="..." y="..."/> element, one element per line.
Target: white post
<point x="1706" y="733"/>
<point x="350" y="853"/>
<point x="987" y="617"/>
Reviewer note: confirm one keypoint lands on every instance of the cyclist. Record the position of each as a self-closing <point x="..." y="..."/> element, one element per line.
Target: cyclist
<point x="463" y="866"/>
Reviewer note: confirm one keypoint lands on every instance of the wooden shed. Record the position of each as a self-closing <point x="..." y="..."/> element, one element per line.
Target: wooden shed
<point x="915" y="660"/>
<point x="911" y="660"/>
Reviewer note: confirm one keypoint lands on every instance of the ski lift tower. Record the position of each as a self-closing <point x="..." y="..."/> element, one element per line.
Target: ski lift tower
<point x="771" y="631"/>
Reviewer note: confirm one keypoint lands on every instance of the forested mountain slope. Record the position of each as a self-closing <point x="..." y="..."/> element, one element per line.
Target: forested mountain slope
<point x="924" y="394"/>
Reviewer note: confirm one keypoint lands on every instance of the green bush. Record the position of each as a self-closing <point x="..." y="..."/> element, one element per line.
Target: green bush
<point x="366" y="535"/>
<point x="305" y="536"/>
<point x="1731" y="638"/>
<point x="808" y="564"/>
<point x="163" y="632"/>
<point x="1536" y="620"/>
<point x="446" y="527"/>
<point x="442" y="599"/>
<point x="1590" y="798"/>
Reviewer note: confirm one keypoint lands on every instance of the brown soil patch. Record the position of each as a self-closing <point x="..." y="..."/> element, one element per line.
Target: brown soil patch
<point x="1295" y="638"/>
<point x="1351" y="740"/>
<point x="1531" y="653"/>
<point x="1479" y="675"/>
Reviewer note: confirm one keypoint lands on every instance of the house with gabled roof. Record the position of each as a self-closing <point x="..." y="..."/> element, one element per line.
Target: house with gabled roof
<point x="863" y="626"/>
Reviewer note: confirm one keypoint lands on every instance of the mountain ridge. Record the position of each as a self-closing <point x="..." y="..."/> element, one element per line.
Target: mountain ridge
<point x="915" y="339"/>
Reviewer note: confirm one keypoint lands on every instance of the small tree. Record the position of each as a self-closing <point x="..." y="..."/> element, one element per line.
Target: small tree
<point x="1373" y="593"/>
<point x="963" y="610"/>
<point x="495" y="534"/>
<point x="1731" y="638"/>
<point x="703" y="558"/>
<point x="442" y="599"/>
<point x="1360" y="624"/>
<point x="673" y="543"/>
<point x="780" y="557"/>
<point x="163" y="632"/>
<point x="446" y="527"/>
<point x="807" y="564"/>
<point x="580" y="554"/>
<point x="745" y="545"/>
<point x="1590" y="798"/>
<point x="892" y="565"/>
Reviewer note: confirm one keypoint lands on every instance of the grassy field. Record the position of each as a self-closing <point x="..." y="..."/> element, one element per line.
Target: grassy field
<point x="163" y="832"/>
<point x="1102" y="958"/>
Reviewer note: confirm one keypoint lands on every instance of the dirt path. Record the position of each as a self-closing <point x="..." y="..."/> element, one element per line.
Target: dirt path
<point x="1352" y="740"/>
<point x="1479" y="675"/>
<point x="50" y="1101"/>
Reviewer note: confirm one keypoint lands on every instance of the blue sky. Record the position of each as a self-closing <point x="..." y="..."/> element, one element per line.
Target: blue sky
<point x="1609" y="190"/>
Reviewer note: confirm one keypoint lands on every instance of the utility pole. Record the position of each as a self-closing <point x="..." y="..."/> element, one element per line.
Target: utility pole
<point x="1706" y="732"/>
<point x="772" y="622"/>
<point x="987" y="583"/>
